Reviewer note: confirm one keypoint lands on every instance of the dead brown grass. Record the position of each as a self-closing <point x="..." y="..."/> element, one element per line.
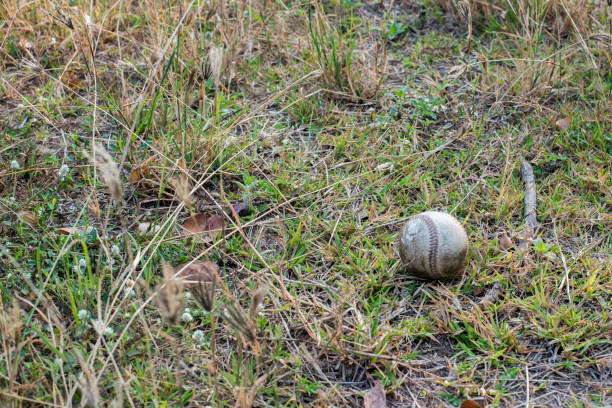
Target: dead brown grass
<point x="311" y="306"/>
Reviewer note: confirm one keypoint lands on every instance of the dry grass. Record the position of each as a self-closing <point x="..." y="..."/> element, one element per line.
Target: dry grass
<point x="314" y="130"/>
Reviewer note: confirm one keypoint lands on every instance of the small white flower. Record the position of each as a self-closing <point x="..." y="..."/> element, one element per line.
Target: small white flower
<point x="83" y="314"/>
<point x="53" y="41"/>
<point x="15" y="165"/>
<point x="187" y="310"/>
<point x="197" y="335"/>
<point x="187" y="294"/>
<point x="75" y="268"/>
<point x="63" y="171"/>
<point x="108" y="331"/>
<point x="82" y="263"/>
<point x="115" y="250"/>
<point x="9" y="275"/>
<point x="187" y="317"/>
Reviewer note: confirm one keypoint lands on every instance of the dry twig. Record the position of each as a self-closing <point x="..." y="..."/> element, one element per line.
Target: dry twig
<point x="531" y="222"/>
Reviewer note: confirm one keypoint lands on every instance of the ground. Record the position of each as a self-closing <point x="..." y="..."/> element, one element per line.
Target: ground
<point x="278" y="148"/>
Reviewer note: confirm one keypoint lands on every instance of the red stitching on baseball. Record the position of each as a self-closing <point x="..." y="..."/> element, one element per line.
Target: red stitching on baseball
<point x="433" y="242"/>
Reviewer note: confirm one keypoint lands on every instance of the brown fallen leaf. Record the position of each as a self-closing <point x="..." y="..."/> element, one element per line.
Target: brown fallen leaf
<point x="73" y="230"/>
<point x="564" y="123"/>
<point x="195" y="224"/>
<point x="192" y="273"/>
<point x="138" y="174"/>
<point x="505" y="242"/>
<point x="73" y="80"/>
<point x="375" y="397"/>
<point x="470" y="404"/>
<point x="142" y="171"/>
<point x="477" y="291"/>
<point x="200" y="223"/>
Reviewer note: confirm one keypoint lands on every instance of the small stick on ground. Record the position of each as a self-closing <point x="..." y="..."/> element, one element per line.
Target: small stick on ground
<point x="531" y="225"/>
<point x="531" y="222"/>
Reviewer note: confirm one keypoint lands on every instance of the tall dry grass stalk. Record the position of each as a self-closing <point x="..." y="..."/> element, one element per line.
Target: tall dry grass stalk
<point x="109" y="171"/>
<point x="169" y="296"/>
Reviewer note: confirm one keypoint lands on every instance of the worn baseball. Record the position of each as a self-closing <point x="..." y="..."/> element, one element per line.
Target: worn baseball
<point x="433" y="245"/>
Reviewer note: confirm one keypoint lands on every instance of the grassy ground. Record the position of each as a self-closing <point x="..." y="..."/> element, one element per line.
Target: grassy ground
<point x="308" y="132"/>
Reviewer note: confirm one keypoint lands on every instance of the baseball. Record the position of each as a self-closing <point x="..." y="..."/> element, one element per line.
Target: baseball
<point x="433" y="245"/>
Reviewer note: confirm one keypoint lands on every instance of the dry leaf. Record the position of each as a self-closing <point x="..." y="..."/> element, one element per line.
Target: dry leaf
<point x="505" y="242"/>
<point x="477" y="291"/>
<point x="196" y="223"/>
<point x="73" y="80"/>
<point x="142" y="171"/>
<point x="215" y="223"/>
<point x="147" y="229"/>
<point x="470" y="404"/>
<point x="375" y="396"/>
<point x="73" y="230"/>
<point x="192" y="273"/>
<point x="564" y="123"/>
<point x="199" y="223"/>
<point x="138" y="174"/>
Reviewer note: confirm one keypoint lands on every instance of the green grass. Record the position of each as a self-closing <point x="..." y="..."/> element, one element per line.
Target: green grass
<point x="330" y="124"/>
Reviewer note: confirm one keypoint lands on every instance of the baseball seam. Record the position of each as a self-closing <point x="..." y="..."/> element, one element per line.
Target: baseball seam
<point x="433" y="242"/>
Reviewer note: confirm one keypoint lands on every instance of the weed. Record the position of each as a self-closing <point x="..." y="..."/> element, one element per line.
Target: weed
<point x="300" y="137"/>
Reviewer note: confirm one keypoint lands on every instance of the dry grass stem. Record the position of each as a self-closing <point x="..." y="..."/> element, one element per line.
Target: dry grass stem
<point x="271" y="152"/>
